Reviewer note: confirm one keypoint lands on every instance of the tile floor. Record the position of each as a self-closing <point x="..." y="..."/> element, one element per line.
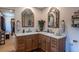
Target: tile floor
<point x="9" y="45"/>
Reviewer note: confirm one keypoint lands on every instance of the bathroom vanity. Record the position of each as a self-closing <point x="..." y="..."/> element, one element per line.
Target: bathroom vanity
<point x="46" y="41"/>
<point x="40" y="40"/>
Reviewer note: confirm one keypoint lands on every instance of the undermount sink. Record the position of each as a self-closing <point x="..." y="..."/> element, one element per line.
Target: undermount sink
<point x="56" y="34"/>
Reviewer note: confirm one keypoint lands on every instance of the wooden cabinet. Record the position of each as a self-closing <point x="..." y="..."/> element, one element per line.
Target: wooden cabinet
<point x="57" y="45"/>
<point x="42" y="42"/>
<point x="39" y="41"/>
<point x="46" y="43"/>
<point x="23" y="43"/>
<point x="20" y="43"/>
<point x="28" y="43"/>
<point x="35" y="41"/>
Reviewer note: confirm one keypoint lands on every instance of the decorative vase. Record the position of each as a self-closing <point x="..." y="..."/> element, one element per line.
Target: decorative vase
<point x="41" y="24"/>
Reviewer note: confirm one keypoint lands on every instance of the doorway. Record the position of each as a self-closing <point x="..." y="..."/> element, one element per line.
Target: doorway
<point x="12" y="26"/>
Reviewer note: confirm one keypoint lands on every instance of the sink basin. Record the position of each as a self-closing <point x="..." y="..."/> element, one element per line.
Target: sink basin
<point x="49" y="32"/>
<point x="58" y="34"/>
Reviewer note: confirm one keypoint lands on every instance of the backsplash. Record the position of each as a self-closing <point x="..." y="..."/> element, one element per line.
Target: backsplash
<point x="30" y="28"/>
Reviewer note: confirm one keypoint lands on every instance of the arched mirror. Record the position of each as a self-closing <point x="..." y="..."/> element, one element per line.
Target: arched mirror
<point x="53" y="18"/>
<point x="27" y="18"/>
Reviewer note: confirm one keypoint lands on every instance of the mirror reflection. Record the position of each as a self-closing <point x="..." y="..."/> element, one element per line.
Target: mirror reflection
<point x="53" y="18"/>
<point x="27" y="18"/>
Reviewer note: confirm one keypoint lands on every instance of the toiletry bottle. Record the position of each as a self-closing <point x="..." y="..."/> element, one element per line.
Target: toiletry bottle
<point x="23" y="30"/>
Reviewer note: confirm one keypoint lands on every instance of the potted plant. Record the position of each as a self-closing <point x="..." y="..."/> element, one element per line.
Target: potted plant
<point x="41" y="24"/>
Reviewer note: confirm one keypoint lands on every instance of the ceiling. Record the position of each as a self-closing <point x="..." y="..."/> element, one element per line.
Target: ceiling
<point x="8" y="9"/>
<point x="14" y="8"/>
<point x="40" y="8"/>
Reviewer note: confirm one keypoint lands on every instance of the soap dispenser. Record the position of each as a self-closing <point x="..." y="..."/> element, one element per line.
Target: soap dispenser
<point x="23" y="31"/>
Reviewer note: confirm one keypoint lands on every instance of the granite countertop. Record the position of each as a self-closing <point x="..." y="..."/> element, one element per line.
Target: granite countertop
<point x="43" y="33"/>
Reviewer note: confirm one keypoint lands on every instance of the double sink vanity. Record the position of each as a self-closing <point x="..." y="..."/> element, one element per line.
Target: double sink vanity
<point x="46" y="41"/>
<point x="29" y="40"/>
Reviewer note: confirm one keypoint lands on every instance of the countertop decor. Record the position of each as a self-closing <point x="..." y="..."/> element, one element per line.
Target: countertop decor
<point x="41" y="24"/>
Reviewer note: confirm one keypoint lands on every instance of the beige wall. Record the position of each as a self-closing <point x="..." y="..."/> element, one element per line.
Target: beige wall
<point x="72" y="33"/>
<point x="65" y="14"/>
<point x="45" y="17"/>
<point x="37" y="16"/>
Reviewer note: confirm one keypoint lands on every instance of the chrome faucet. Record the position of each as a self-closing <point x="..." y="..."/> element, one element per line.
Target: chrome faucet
<point x="29" y="30"/>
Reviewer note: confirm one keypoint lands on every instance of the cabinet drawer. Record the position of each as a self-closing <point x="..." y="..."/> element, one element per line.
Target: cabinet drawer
<point x="53" y="41"/>
<point x="53" y="45"/>
<point x="53" y="49"/>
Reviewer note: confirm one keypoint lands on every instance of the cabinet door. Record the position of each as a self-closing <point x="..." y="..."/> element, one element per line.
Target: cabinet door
<point x="43" y="43"/>
<point x="58" y="45"/>
<point x="54" y="47"/>
<point x="28" y="43"/>
<point x="34" y="41"/>
<point x="48" y="44"/>
<point x="61" y="45"/>
<point x="39" y="41"/>
<point x="20" y="44"/>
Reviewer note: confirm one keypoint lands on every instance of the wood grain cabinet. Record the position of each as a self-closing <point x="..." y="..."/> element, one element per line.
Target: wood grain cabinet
<point x="57" y="45"/>
<point x="39" y="41"/>
<point x="42" y="42"/>
<point x="20" y="43"/>
<point x="31" y="42"/>
<point x="46" y="43"/>
<point x="28" y="43"/>
<point x="35" y="41"/>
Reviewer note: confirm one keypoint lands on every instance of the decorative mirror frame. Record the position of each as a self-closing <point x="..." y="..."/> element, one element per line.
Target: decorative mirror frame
<point x="56" y="15"/>
<point x="30" y="16"/>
